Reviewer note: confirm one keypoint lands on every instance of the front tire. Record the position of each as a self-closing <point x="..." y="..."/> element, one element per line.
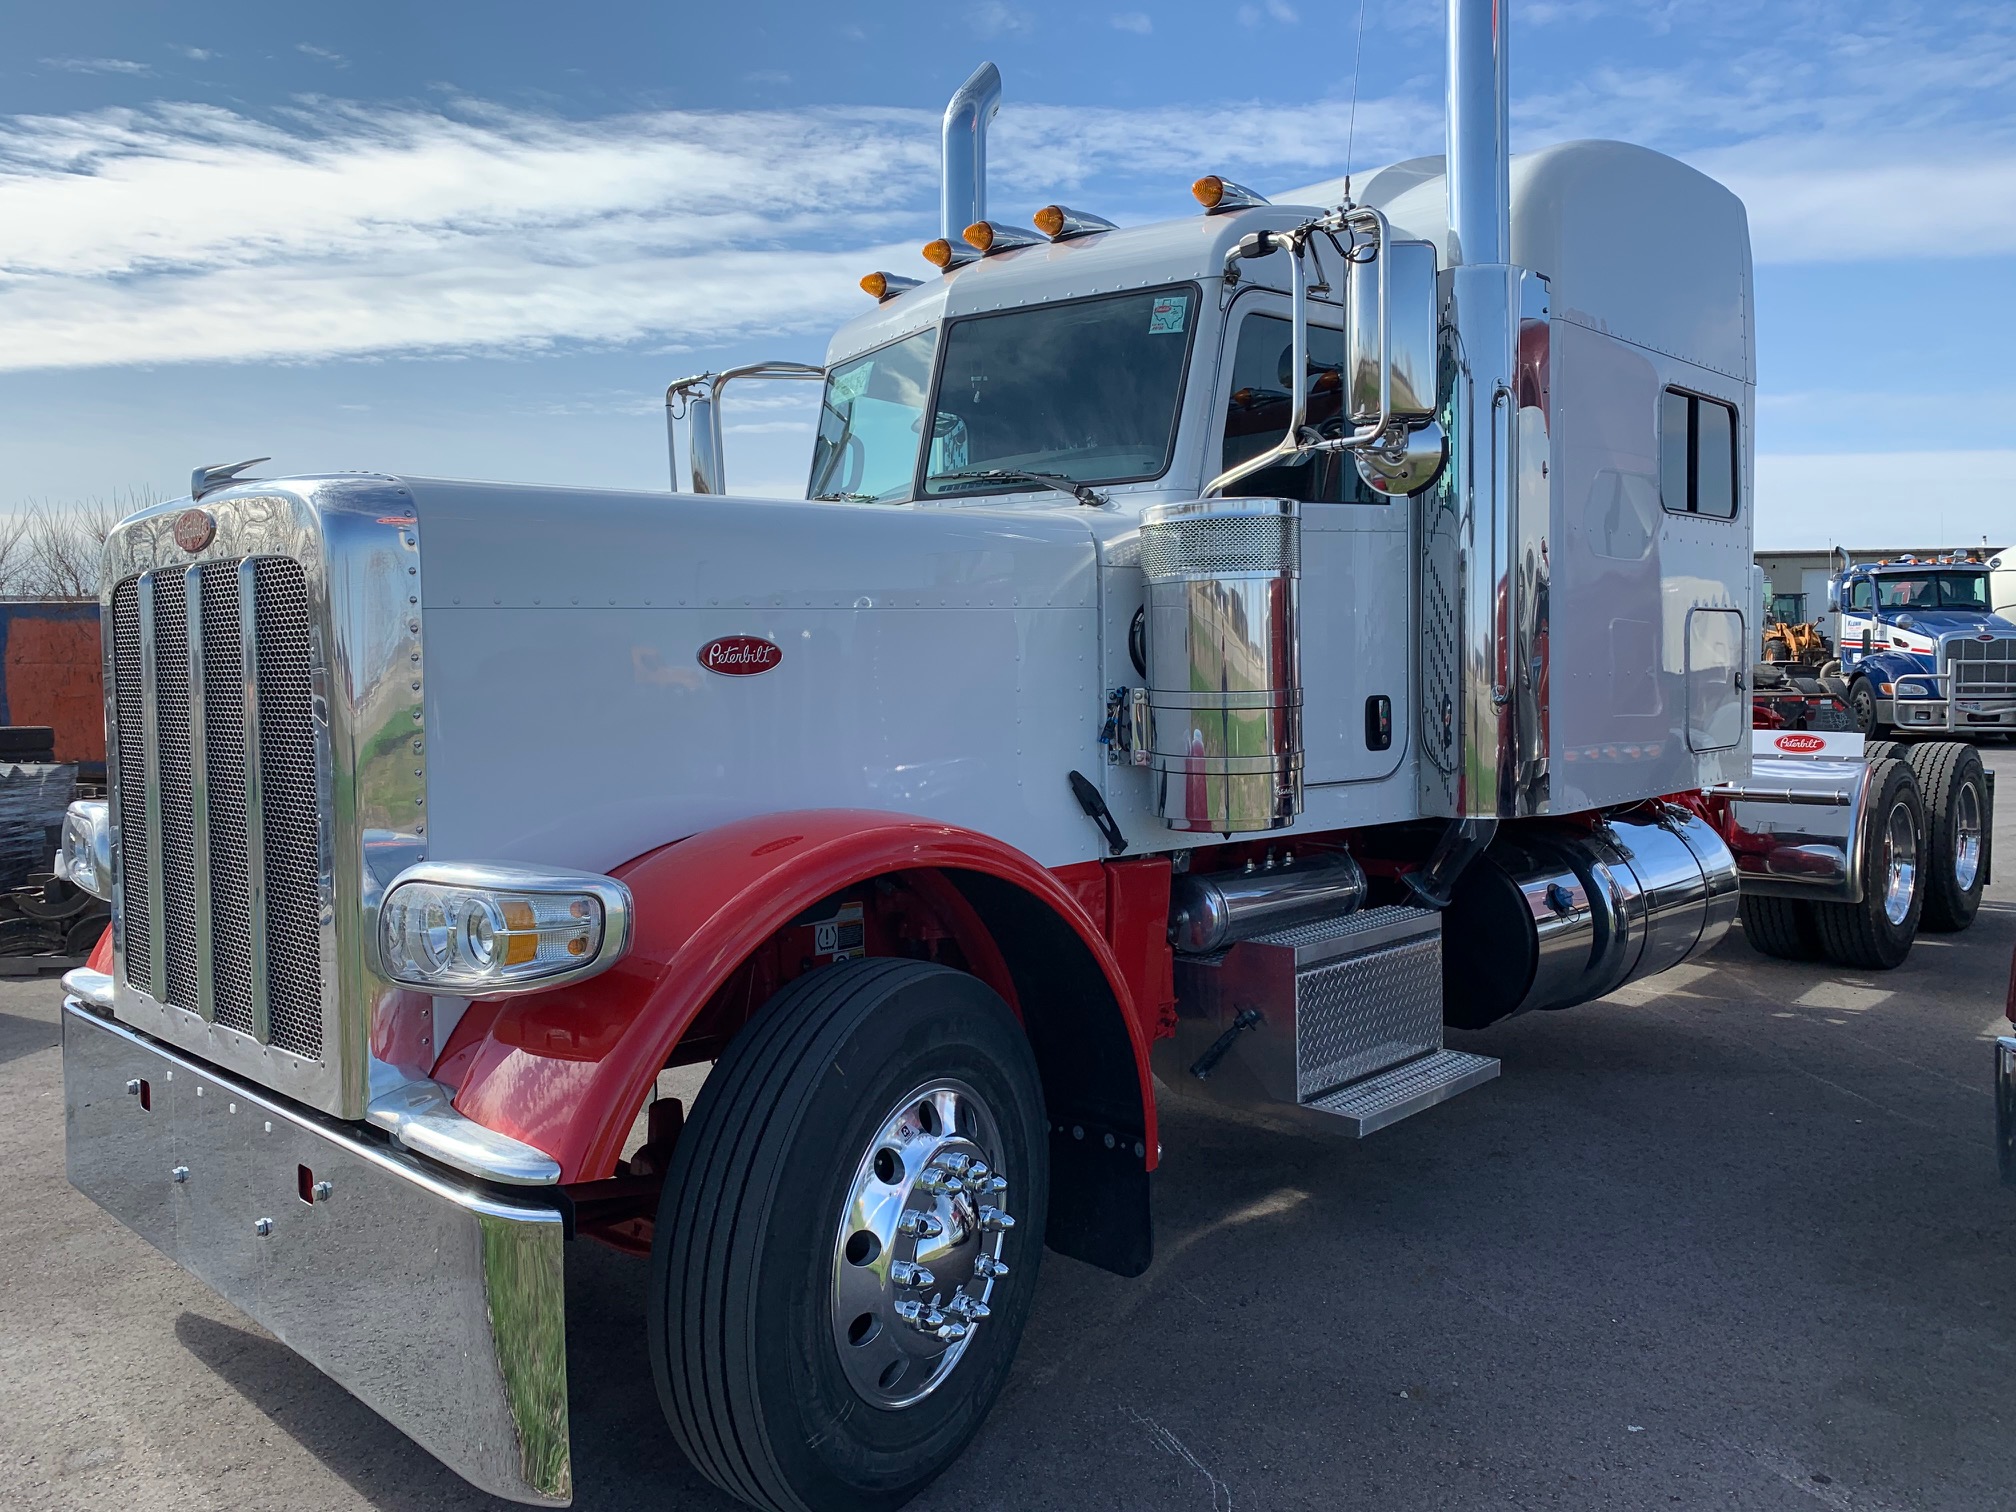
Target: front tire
<point x="1862" y="704"/>
<point x="1876" y="934"/>
<point x="796" y="1238"/>
<point x="1956" y="808"/>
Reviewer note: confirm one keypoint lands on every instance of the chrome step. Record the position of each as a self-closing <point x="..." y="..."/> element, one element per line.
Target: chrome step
<point x="1369" y="1105"/>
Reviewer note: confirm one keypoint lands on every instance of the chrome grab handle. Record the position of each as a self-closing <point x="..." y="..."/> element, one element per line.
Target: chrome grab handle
<point x="700" y="397"/>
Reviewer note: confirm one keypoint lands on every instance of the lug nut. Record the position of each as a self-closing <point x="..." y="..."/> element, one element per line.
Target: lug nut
<point x="935" y="1180"/>
<point x="987" y="1265"/>
<point x="907" y="1273"/>
<point x="972" y="1309"/>
<point x="994" y="1218"/>
<point x="977" y="1171"/>
<point x="951" y="1333"/>
<point x="955" y="1163"/>
<point x="923" y="1225"/>
<point x="993" y="1186"/>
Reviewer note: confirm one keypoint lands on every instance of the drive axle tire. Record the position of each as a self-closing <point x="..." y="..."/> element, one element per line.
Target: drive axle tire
<point x="1876" y="934"/>
<point x="1877" y="750"/>
<point x="1955" y="789"/>
<point x="848" y="1241"/>
<point x="1780" y="927"/>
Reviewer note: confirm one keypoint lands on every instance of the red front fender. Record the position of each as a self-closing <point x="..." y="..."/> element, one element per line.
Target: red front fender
<point x="567" y="1071"/>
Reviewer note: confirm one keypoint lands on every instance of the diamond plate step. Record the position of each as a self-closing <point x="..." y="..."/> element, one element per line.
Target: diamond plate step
<point x="1369" y="1105"/>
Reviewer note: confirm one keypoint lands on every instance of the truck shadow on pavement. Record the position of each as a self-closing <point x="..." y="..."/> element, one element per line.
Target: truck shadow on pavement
<point x="24" y="1036"/>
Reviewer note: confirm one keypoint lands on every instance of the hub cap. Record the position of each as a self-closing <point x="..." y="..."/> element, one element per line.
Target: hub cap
<point x="918" y="1247"/>
<point x="1900" y="863"/>
<point x="1967" y="838"/>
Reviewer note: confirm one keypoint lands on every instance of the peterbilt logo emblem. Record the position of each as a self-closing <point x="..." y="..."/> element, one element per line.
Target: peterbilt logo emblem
<point x="1800" y="743"/>
<point x="194" y="529"/>
<point x="740" y="655"/>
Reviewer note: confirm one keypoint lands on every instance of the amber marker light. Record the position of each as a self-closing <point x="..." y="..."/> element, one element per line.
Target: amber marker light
<point x="979" y="236"/>
<point x="1050" y="219"/>
<point x="875" y="285"/>
<point x="1215" y="194"/>
<point x="938" y="253"/>
<point x="1210" y="191"/>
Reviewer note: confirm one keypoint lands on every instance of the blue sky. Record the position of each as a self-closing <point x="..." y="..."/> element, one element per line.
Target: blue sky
<point x="480" y="239"/>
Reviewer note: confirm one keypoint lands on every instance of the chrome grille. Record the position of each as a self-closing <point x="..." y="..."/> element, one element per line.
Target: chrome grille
<point x="231" y="752"/>
<point x="1982" y="667"/>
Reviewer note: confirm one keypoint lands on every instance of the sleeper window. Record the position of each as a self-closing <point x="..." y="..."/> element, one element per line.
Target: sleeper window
<point x="1697" y="455"/>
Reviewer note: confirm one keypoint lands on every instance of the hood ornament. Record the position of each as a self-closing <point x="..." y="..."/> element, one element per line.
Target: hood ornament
<point x="209" y="479"/>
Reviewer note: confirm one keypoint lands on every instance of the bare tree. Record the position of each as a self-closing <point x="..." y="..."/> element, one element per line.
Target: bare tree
<point x="54" y="550"/>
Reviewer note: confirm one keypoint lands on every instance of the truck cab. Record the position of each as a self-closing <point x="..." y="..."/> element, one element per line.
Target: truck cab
<point x="1922" y="647"/>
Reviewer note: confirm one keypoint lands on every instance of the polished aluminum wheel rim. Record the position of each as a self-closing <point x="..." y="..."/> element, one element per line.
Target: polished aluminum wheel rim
<point x="1900" y="861"/>
<point x="918" y="1248"/>
<point x="1967" y="838"/>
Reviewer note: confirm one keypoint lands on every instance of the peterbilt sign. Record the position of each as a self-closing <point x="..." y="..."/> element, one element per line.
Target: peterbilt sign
<point x="740" y="655"/>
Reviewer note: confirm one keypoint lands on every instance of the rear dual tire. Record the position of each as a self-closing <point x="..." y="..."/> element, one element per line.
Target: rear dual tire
<point x="772" y="1226"/>
<point x="1875" y="934"/>
<point x="1955" y="789"/>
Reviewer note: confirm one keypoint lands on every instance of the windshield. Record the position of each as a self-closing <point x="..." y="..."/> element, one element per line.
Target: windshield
<point x="1086" y="391"/>
<point x="1935" y="590"/>
<point x="870" y="419"/>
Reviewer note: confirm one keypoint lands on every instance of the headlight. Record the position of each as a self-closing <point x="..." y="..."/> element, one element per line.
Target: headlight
<point x="1909" y="689"/>
<point x="486" y="931"/>
<point x="84" y="859"/>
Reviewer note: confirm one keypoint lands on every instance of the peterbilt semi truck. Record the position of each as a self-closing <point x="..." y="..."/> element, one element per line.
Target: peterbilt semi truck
<point x="1922" y="647"/>
<point x="1210" y="657"/>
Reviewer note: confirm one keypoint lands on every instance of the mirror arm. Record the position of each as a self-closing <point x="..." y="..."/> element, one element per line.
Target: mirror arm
<point x="700" y="397"/>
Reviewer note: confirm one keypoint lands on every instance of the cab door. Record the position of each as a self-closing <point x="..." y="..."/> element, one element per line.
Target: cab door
<point x="1357" y="565"/>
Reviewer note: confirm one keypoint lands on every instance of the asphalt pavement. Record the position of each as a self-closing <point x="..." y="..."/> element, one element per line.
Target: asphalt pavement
<point x="1729" y="1239"/>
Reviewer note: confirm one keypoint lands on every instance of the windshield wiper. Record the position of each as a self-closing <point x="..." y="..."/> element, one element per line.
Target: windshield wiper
<point x="847" y="498"/>
<point x="1082" y="492"/>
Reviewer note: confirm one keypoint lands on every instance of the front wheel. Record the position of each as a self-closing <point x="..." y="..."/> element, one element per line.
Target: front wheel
<point x="848" y="1241"/>
<point x="1862" y="704"/>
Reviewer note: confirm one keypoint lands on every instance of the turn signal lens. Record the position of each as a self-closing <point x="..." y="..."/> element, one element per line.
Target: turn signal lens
<point x="1210" y="191"/>
<point x="484" y="931"/>
<point x="979" y="236"/>
<point x="1050" y="219"/>
<point x="1215" y="194"/>
<point x="938" y="253"/>
<point x="875" y="285"/>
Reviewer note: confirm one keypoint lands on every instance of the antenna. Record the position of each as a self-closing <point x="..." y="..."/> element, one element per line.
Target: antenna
<point x="1351" y="130"/>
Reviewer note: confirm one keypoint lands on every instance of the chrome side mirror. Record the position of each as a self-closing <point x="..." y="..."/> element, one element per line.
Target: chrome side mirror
<point x="1833" y="598"/>
<point x="1408" y="317"/>
<point x="697" y="400"/>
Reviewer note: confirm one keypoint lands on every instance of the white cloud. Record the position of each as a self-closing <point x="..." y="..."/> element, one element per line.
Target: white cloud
<point x="97" y="65"/>
<point x="992" y="18"/>
<point x="1137" y="22"/>
<point x="1877" y="498"/>
<point x="1277" y="10"/>
<point x="323" y="53"/>
<point x="193" y="54"/>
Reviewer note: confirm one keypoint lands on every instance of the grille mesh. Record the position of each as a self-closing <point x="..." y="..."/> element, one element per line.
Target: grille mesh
<point x="130" y="774"/>
<point x="1980" y="666"/>
<point x="224" y="743"/>
<point x="178" y="837"/>
<point x="292" y="822"/>
<point x="1221" y="544"/>
<point x="293" y="833"/>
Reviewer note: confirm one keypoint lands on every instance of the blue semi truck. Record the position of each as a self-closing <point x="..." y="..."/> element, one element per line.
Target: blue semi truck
<point x="1921" y="647"/>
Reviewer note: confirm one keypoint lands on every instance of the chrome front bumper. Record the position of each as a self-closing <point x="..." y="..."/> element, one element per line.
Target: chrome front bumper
<point x="2005" y="1108"/>
<point x="1993" y="713"/>
<point x="437" y="1303"/>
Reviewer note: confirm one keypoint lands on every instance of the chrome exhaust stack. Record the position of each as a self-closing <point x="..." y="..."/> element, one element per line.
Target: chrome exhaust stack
<point x="962" y="153"/>
<point x="1483" y="571"/>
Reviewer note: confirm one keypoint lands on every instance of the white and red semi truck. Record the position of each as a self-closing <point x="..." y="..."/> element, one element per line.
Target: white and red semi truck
<point x="1210" y="655"/>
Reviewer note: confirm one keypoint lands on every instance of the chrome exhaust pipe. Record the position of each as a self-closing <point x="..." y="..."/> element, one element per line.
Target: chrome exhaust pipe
<point x="962" y="153"/>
